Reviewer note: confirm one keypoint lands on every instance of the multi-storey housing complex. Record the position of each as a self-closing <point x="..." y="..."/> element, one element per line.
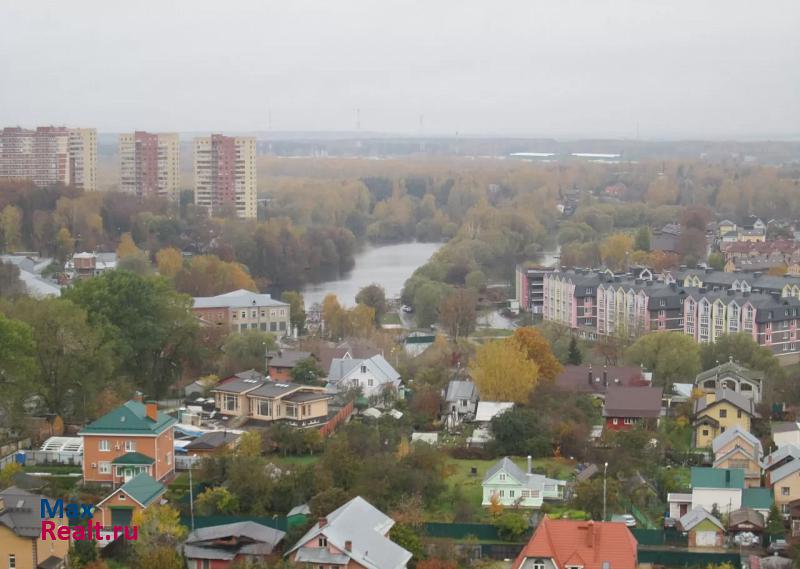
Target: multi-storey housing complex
<point x="149" y="164"/>
<point x="244" y="310"/>
<point x="530" y="287"/>
<point x="700" y="303"/>
<point x="225" y="174"/>
<point x="50" y="155"/>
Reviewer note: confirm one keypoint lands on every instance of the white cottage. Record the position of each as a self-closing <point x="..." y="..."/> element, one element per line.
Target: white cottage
<point x="514" y="487"/>
<point x="372" y="375"/>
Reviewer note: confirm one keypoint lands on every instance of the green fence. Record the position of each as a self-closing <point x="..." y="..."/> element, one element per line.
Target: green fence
<point x="659" y="537"/>
<point x="483" y="532"/>
<point x="672" y="558"/>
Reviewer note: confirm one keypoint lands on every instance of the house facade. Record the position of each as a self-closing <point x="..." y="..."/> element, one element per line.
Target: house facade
<point x="507" y="484"/>
<point x="136" y="495"/>
<point x="720" y="411"/>
<point x="282" y="362"/>
<point x="737" y="448"/>
<point x="250" y="396"/>
<point x="374" y="377"/>
<point x="785" y="484"/>
<point x="460" y="401"/>
<point x="717" y="489"/>
<point x="227" y="545"/>
<point x="355" y="535"/>
<point x="703" y="529"/>
<point x="21" y="543"/>
<point x="731" y="376"/>
<point x="134" y="438"/>
<point x="242" y="310"/>
<point x="627" y="407"/>
<point x="573" y="544"/>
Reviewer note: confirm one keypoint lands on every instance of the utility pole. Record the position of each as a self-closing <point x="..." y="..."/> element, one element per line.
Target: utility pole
<point x="605" y="488"/>
<point x="191" y="491"/>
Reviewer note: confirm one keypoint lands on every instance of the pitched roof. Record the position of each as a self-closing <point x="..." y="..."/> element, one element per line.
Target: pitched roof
<point x="133" y="458"/>
<point x="288" y="358"/>
<point x="757" y="498"/>
<point x="365" y="527"/>
<point x="215" y="542"/>
<point x="21" y="513"/>
<point x="532" y="480"/>
<point x="786" y="470"/>
<point x="237" y="299"/>
<point x="130" y="419"/>
<point x="746" y="515"/>
<point x="734" y="432"/>
<point x="703" y="477"/>
<point x="727" y="369"/>
<point x="696" y="516"/>
<point x="488" y="410"/>
<point x="459" y="389"/>
<point x="633" y="402"/>
<point x="358" y="350"/>
<point x="241" y="382"/>
<point x="784" y="427"/>
<point x="594" y="543"/>
<point x="576" y="378"/>
<point x="212" y="440"/>
<point x="736" y="399"/>
<point x="780" y="456"/>
<point x="377" y="365"/>
<point x="143" y="488"/>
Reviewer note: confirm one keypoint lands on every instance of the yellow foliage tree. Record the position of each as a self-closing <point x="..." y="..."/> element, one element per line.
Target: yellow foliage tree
<point x="495" y="507"/>
<point x="537" y="348"/>
<point x="615" y="249"/>
<point x="127" y="247"/>
<point x="169" y="261"/>
<point x="249" y="444"/>
<point x="503" y="372"/>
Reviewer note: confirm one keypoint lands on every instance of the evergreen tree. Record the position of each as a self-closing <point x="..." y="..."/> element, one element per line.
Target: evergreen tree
<point x="574" y="356"/>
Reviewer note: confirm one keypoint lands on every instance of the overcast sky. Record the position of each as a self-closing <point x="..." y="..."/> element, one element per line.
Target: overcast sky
<point x="675" y="68"/>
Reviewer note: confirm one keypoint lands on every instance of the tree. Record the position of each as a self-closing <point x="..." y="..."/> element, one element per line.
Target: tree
<point x="334" y="317"/>
<point x="574" y="357"/>
<point x="246" y="350"/>
<point x="74" y="360"/>
<point x="127" y="247"/>
<point x="152" y="326"/>
<point x="716" y="261"/>
<point x="521" y="431"/>
<point x="10" y="283"/>
<point x="503" y="372"/>
<point x="208" y="275"/>
<point x="158" y="558"/>
<point x="457" y="312"/>
<point x="588" y="496"/>
<point x="169" y="262"/>
<point x="476" y="280"/>
<point x="7" y="474"/>
<point x="307" y="371"/>
<point x="511" y="526"/>
<point x="216" y="501"/>
<point x="671" y="357"/>
<point x="642" y="239"/>
<point x="158" y="525"/>
<point x="11" y="228"/>
<point x="360" y="321"/>
<point x="615" y="250"/>
<point x="250" y="444"/>
<point x="297" y="310"/>
<point x="427" y="299"/>
<point x="373" y="296"/>
<point x="65" y="244"/>
<point x="775" y="526"/>
<point x="537" y="349"/>
<point x="406" y="537"/>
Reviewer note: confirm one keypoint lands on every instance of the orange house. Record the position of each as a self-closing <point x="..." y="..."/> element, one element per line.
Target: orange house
<point x="119" y="507"/>
<point x="132" y="439"/>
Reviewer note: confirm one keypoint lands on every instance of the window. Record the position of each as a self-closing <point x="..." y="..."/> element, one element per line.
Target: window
<point x="511" y="493"/>
<point x="370" y="381"/>
<point x="538" y="564"/>
<point x="502" y="477"/>
<point x="282" y="326"/>
<point x="723" y="413"/>
<point x="169" y="458"/>
<point x="705" y="432"/>
<point x="502" y="493"/>
<point x="322" y="541"/>
<point x="629" y="420"/>
<point x="130" y="446"/>
<point x="291" y="411"/>
<point x="12" y="561"/>
<point x="264" y="408"/>
<point x="785" y="509"/>
<point x="230" y="402"/>
<point x="785" y="491"/>
<point x="526" y="493"/>
<point x="614" y="421"/>
<point x="273" y="326"/>
<point x="244" y="314"/>
<point x="104" y="468"/>
<point x="121" y="495"/>
<point x="739" y="413"/>
<point x="363" y="369"/>
<point x="104" y="446"/>
<point x="205" y="563"/>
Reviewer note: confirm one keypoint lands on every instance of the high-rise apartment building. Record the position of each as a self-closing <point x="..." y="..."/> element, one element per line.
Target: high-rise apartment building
<point x="149" y="164"/>
<point x="225" y="174"/>
<point x="50" y="155"/>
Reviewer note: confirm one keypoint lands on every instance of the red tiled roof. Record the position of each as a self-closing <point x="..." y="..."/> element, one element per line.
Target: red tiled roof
<point x="594" y="543"/>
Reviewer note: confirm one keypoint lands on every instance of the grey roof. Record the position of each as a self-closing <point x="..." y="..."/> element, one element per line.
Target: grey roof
<point x="273" y="390"/>
<point x="731" y="434"/>
<point x="458" y="389"/>
<point x="365" y="527"/>
<point x="728" y="369"/>
<point x="784" y="426"/>
<point x="737" y="400"/>
<point x="633" y="402"/>
<point x="790" y="452"/>
<point x="241" y="382"/>
<point x="587" y="473"/>
<point x="697" y="515"/>
<point x="377" y="365"/>
<point x="51" y="562"/>
<point x="787" y="469"/>
<point x="212" y="440"/>
<point x="306" y="396"/>
<point x="288" y="358"/>
<point x="21" y="513"/>
<point x="213" y="542"/>
<point x="237" y="299"/>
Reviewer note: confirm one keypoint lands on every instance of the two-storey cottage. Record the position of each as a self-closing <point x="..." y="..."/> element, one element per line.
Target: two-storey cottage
<point x="133" y="438"/>
<point x="374" y="376"/>
<point x="507" y="484"/>
<point x="717" y="412"/>
<point x="737" y="448"/>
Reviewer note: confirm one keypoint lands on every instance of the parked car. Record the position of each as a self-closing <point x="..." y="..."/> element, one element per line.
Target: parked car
<point x="407" y="309"/>
<point x="626" y="519"/>
<point x="778" y="546"/>
<point x="670" y="523"/>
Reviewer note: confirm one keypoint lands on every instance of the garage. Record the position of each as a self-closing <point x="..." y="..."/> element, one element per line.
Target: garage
<point x="121" y="516"/>
<point x="703" y="529"/>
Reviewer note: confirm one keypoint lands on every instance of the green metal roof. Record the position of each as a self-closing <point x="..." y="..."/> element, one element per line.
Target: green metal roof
<point x="717" y="477"/>
<point x="129" y="419"/>
<point x="143" y="488"/>
<point x="757" y="498"/>
<point x="133" y="458"/>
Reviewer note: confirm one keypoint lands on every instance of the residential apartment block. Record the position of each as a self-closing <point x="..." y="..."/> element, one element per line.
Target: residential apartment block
<point x="530" y="287"/>
<point x="704" y="304"/>
<point x="244" y="310"/>
<point x="225" y="174"/>
<point x="50" y="155"/>
<point x="149" y="164"/>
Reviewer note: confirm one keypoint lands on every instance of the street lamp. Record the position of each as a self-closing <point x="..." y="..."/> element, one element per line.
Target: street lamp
<point x="605" y="488"/>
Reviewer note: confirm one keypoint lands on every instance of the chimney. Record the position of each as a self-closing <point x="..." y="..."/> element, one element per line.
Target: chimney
<point x="151" y="410"/>
<point x="530" y="465"/>
<point x="348" y="545"/>
<point x="590" y="534"/>
<point x="605" y="376"/>
<point x="322" y="522"/>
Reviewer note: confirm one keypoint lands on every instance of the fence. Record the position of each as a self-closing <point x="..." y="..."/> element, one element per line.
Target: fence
<point x="659" y="537"/>
<point x="482" y="532"/>
<point x="42" y="457"/>
<point x="340" y="417"/>
<point x="673" y="558"/>
<point x="185" y="462"/>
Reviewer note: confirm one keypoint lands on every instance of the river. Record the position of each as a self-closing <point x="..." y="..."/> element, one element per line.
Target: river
<point x="387" y="265"/>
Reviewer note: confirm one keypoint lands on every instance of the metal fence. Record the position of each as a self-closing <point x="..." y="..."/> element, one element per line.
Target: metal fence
<point x="678" y="558"/>
<point x="185" y="462"/>
<point x="659" y="537"/>
<point x="43" y="457"/>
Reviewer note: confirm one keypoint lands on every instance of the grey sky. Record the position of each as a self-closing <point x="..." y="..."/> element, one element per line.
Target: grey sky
<point x="678" y="68"/>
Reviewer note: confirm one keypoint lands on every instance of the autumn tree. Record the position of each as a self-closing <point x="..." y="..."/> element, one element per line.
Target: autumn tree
<point x="127" y="247"/>
<point x="457" y="312"/>
<point x="642" y="239"/>
<point x="246" y="350"/>
<point x="537" y="349"/>
<point x="373" y="296"/>
<point x="216" y="501"/>
<point x="208" y="275"/>
<point x="334" y="317"/>
<point x="297" y="310"/>
<point x="615" y="250"/>
<point x="503" y="372"/>
<point x="169" y="262"/>
<point x="159" y="533"/>
<point x="10" y="228"/>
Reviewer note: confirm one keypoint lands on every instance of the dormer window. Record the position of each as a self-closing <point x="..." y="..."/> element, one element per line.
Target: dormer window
<point x="538" y="564"/>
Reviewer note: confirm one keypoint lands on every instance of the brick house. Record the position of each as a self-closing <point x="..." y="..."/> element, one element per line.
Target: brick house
<point x="133" y="438"/>
<point x="136" y="495"/>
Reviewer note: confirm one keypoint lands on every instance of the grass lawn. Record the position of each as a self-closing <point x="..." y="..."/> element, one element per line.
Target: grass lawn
<point x="55" y="470"/>
<point x="491" y="332"/>
<point x="459" y="476"/>
<point x="391" y="318"/>
<point x="293" y="460"/>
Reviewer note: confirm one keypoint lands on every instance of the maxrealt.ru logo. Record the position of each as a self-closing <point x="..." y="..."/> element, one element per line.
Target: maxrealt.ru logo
<point x="91" y="531"/>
